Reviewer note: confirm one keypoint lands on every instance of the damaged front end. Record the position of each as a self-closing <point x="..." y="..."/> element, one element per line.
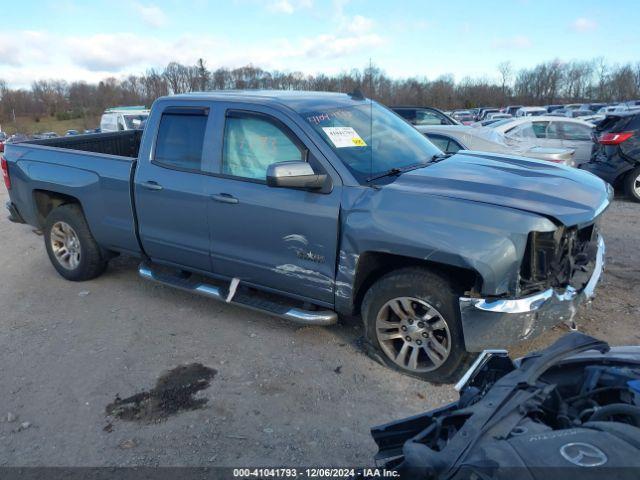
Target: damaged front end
<point x="559" y="271"/>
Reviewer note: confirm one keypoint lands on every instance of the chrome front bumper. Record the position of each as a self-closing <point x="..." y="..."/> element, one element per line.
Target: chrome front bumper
<point x="489" y="323"/>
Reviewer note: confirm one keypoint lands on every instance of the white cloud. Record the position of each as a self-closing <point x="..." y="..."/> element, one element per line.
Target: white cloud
<point x="583" y="24"/>
<point x="27" y="56"/>
<point x="359" y="24"/>
<point x="288" y="6"/>
<point x="151" y="15"/>
<point x="516" y="42"/>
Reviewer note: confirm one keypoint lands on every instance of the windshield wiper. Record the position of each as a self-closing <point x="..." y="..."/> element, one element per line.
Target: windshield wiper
<point x="397" y="171"/>
<point x="440" y="156"/>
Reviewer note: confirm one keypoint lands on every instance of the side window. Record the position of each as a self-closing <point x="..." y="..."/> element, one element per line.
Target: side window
<point x="573" y="131"/>
<point x="441" y="142"/>
<point x="540" y="129"/>
<point x="121" y="125"/>
<point x="453" y="146"/>
<point x="253" y="142"/>
<point x="553" y="131"/>
<point x="426" y="117"/>
<point x="409" y="115"/>
<point x="521" y="131"/>
<point x="180" y="138"/>
<point x="446" y="144"/>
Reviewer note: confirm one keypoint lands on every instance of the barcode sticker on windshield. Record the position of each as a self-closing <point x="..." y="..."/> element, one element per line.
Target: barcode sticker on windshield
<point x="343" y="137"/>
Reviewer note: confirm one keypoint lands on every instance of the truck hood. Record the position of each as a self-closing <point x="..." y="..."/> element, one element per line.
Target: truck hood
<point x="568" y="195"/>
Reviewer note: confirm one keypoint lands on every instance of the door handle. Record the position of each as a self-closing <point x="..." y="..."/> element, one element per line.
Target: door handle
<point x="151" y="185"/>
<point x="224" y="198"/>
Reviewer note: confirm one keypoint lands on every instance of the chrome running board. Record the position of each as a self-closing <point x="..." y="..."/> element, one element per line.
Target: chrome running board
<point x="294" y="314"/>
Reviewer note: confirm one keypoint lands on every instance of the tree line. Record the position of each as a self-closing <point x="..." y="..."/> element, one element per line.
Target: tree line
<point x="546" y="83"/>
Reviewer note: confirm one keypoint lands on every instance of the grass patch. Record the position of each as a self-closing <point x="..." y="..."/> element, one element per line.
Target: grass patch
<point x="30" y="125"/>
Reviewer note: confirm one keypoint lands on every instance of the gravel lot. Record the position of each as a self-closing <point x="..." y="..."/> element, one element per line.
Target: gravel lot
<point x="283" y="395"/>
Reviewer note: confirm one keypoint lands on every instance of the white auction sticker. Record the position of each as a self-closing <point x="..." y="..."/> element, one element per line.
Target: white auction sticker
<point x="344" y="137"/>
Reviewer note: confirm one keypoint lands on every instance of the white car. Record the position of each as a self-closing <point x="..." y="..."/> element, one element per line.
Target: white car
<point x="608" y="109"/>
<point x="531" y="112"/>
<point x="549" y="131"/>
<point x="452" y="138"/>
<point x="123" y="118"/>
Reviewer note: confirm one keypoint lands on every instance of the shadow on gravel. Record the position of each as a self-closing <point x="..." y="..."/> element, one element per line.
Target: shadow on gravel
<point x="174" y="392"/>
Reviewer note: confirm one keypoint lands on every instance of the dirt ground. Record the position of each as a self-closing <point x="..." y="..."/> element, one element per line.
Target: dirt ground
<point x="277" y="394"/>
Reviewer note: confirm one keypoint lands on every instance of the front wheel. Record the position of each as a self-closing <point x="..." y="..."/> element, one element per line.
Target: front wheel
<point x="632" y="184"/>
<point x="70" y="245"/>
<point x="412" y="324"/>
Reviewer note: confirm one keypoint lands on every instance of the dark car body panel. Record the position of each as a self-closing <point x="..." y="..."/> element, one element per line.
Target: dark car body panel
<point x="613" y="162"/>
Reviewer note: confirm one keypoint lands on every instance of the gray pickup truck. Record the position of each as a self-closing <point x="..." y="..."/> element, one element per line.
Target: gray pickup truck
<point x="312" y="205"/>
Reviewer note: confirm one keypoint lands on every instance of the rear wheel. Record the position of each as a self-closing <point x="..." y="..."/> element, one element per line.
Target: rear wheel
<point x="70" y="245"/>
<point x="632" y="184"/>
<point x="412" y="324"/>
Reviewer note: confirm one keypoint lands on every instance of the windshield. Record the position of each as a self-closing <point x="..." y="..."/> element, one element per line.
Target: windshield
<point x="371" y="140"/>
<point x="134" y="121"/>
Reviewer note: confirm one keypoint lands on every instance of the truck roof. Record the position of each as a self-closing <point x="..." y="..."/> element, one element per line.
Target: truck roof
<point x="299" y="101"/>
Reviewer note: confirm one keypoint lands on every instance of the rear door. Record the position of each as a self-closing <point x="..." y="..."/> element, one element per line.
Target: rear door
<point x="170" y="191"/>
<point x="280" y="238"/>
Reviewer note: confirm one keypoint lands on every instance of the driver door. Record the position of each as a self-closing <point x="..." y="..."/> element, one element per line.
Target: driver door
<point x="283" y="239"/>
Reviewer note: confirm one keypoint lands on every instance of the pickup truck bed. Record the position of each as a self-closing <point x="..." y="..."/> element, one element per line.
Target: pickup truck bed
<point x="97" y="169"/>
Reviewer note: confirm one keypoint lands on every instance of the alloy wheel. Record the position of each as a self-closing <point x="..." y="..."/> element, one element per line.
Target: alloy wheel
<point x="65" y="245"/>
<point x="413" y="334"/>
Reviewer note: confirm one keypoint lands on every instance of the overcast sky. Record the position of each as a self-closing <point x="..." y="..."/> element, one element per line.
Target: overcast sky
<point x="75" y="40"/>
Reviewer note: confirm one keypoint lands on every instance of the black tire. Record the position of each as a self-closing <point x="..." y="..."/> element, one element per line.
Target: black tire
<point x="92" y="262"/>
<point x="436" y="291"/>
<point x="632" y="184"/>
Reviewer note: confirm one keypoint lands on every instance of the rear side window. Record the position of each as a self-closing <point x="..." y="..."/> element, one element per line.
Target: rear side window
<point x="427" y="117"/>
<point x="573" y="131"/>
<point x="252" y="142"/>
<point x="181" y="138"/>
<point x="540" y="129"/>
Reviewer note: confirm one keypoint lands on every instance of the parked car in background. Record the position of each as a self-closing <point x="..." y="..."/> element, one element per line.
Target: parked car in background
<point x="498" y="116"/>
<point x="577" y="113"/>
<point x="531" y="112"/>
<point x="482" y="114"/>
<point x="123" y="118"/>
<point x="552" y="108"/>
<point x="70" y="133"/>
<point x="607" y="109"/>
<point x="550" y="131"/>
<point x="465" y="117"/>
<point x="424" y="115"/>
<point x="44" y="135"/>
<point x="512" y="109"/>
<point x="616" y="152"/>
<point x="594" y="107"/>
<point x="3" y="138"/>
<point x="593" y="119"/>
<point x="572" y="106"/>
<point x="632" y="103"/>
<point x="451" y="139"/>
<point x="307" y="213"/>
<point x="17" y="138"/>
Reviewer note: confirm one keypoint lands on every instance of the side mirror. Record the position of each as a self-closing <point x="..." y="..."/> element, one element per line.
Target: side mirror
<point x="294" y="175"/>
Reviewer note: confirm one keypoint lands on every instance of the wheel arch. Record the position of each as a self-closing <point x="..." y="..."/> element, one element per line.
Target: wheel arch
<point x="374" y="265"/>
<point x="46" y="200"/>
